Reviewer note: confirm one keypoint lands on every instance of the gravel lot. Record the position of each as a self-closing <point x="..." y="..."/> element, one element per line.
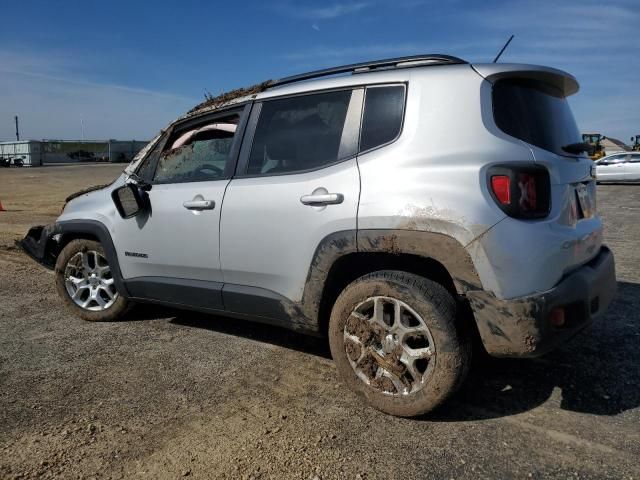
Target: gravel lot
<point x="169" y="394"/>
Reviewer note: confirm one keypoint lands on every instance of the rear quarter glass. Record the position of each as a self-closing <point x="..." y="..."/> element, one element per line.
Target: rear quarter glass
<point x="382" y="119"/>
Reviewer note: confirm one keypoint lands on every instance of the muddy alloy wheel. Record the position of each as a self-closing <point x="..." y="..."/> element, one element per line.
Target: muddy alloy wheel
<point x="396" y="340"/>
<point x="84" y="280"/>
<point x="389" y="346"/>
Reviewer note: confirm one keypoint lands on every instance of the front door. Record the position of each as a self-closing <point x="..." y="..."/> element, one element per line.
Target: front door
<point x="611" y="169"/>
<point x="172" y="253"/>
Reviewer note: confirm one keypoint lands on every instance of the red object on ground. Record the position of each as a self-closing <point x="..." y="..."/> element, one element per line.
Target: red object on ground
<point x="1" y="207"/>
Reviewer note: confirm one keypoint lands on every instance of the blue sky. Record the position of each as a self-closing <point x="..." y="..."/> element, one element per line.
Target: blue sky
<point x="127" y="69"/>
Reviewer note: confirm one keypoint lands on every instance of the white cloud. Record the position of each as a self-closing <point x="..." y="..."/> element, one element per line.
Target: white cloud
<point x="50" y="102"/>
<point x="325" y="12"/>
<point x="337" y="10"/>
<point x="596" y="42"/>
<point x="315" y="27"/>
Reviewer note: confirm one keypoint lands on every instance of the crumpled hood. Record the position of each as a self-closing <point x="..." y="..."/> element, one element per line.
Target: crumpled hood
<point x="86" y="190"/>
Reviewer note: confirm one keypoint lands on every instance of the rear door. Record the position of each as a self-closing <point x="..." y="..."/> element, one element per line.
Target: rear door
<point x="632" y="168"/>
<point x="297" y="182"/>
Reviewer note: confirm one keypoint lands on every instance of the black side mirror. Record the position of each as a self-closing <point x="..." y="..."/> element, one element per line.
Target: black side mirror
<point x="130" y="200"/>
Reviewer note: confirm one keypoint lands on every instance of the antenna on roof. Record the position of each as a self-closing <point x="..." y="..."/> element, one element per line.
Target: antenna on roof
<point x="495" y="60"/>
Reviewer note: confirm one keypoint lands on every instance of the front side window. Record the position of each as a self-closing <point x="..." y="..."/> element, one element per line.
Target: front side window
<point x="299" y="133"/>
<point x="536" y="113"/>
<point x="613" y="159"/>
<point x="197" y="153"/>
<point x="382" y="119"/>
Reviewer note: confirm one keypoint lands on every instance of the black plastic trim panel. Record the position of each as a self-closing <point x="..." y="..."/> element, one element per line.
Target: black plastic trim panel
<point x="196" y="293"/>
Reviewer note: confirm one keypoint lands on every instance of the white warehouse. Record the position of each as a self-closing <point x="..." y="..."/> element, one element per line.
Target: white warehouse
<point x="35" y="153"/>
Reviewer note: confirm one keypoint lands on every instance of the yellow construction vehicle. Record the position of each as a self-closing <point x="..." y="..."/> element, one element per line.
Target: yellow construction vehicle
<point x="595" y="139"/>
<point x="636" y="143"/>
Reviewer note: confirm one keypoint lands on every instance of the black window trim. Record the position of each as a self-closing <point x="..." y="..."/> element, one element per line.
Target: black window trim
<point x="241" y="108"/>
<point x="404" y="110"/>
<point x="241" y="149"/>
<point x="160" y="143"/>
<point x="247" y="144"/>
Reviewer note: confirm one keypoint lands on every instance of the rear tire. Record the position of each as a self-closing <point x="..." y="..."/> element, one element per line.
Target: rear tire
<point x="85" y="283"/>
<point x="396" y="341"/>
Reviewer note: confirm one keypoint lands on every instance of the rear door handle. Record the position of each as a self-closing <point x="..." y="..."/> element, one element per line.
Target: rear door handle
<point x="199" y="204"/>
<point x="322" y="199"/>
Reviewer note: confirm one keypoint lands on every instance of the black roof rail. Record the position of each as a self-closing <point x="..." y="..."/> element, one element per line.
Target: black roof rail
<point x="413" y="60"/>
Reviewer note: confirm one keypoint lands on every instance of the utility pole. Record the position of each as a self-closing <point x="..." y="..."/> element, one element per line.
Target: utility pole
<point x="17" y="129"/>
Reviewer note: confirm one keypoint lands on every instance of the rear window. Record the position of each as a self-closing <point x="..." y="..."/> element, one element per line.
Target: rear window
<point x="536" y="113"/>
<point x="382" y="119"/>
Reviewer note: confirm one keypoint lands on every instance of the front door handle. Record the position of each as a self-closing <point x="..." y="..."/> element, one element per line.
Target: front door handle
<point x="199" y="204"/>
<point x="321" y="199"/>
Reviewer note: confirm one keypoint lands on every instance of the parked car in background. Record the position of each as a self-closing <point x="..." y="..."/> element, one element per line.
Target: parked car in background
<point x="619" y="167"/>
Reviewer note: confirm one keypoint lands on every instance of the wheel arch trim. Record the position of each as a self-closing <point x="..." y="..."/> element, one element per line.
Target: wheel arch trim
<point x="40" y="240"/>
<point x="441" y="248"/>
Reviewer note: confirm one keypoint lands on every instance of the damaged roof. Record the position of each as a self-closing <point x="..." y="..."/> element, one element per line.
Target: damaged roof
<point x="232" y="96"/>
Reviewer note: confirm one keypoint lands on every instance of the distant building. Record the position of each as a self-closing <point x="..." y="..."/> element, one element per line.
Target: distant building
<point x="27" y="150"/>
<point x="613" y="145"/>
<point x="38" y="152"/>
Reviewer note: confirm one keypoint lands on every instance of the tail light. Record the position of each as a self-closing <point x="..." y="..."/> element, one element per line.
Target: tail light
<point x="521" y="191"/>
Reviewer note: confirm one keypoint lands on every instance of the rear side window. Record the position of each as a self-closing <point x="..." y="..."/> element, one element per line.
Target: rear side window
<point x="382" y="119"/>
<point x="615" y="159"/>
<point x="536" y="113"/>
<point x="299" y="133"/>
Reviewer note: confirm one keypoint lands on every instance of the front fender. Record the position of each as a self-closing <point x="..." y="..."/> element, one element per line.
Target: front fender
<point x="43" y="244"/>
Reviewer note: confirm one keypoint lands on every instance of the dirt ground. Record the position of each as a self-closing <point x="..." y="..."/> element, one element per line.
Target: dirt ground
<point x="170" y="394"/>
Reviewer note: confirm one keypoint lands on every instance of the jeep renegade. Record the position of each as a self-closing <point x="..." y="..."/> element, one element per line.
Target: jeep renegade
<point x="399" y="207"/>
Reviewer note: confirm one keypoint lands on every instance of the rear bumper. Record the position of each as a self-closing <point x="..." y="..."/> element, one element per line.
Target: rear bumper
<point x="521" y="328"/>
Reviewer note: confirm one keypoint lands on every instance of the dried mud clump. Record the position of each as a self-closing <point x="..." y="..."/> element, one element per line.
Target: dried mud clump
<point x="359" y="328"/>
<point x="353" y="350"/>
<point x="226" y="97"/>
<point x="368" y="366"/>
<point x="384" y="383"/>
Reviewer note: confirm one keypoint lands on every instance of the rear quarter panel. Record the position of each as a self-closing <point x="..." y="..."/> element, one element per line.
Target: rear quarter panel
<point x="432" y="178"/>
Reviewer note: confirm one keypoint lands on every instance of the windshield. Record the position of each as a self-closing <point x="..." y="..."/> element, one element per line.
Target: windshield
<point x="536" y="113"/>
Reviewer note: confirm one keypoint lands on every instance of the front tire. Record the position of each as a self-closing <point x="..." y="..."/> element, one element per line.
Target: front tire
<point x="395" y="339"/>
<point x="85" y="282"/>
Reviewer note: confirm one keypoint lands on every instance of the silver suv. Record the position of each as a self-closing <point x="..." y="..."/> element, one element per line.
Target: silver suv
<point x="399" y="207"/>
